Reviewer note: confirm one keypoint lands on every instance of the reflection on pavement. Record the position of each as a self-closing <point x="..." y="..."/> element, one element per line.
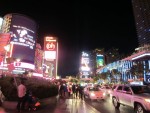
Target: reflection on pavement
<point x="74" y="106"/>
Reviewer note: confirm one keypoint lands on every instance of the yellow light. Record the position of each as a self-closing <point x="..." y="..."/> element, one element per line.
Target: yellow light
<point x="147" y="100"/>
<point x="104" y="94"/>
<point x="92" y="94"/>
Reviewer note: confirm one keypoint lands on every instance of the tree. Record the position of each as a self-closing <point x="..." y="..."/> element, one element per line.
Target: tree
<point x="103" y="75"/>
<point x="115" y="74"/>
<point x="137" y="70"/>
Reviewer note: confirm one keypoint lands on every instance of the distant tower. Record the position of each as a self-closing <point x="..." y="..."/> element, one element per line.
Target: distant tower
<point x="141" y="9"/>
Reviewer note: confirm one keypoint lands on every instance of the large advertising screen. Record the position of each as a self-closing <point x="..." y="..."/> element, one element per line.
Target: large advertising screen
<point x="50" y="56"/>
<point x="50" y="48"/>
<point x="99" y="61"/>
<point x="23" y="36"/>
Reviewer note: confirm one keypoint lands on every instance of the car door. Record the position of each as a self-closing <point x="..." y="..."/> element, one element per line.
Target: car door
<point x="119" y="93"/>
<point x="127" y="95"/>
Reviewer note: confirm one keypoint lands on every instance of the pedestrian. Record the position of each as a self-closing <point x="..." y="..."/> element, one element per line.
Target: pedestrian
<point x="73" y="89"/>
<point x="21" y="96"/>
<point x="80" y="92"/>
<point x="76" y="90"/>
<point x="69" y="90"/>
<point x="2" y="97"/>
<point x="61" y="90"/>
<point x="65" y="90"/>
<point x="2" y="110"/>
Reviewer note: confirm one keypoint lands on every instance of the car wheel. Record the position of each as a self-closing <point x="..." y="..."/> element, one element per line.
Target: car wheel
<point x="115" y="103"/>
<point x="139" y="109"/>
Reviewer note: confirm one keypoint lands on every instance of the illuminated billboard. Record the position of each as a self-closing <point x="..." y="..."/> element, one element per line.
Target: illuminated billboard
<point x="4" y="40"/>
<point x="50" y="56"/>
<point x="99" y="61"/>
<point x="50" y="48"/>
<point x="1" y="21"/>
<point x="23" y="31"/>
<point x="85" y="65"/>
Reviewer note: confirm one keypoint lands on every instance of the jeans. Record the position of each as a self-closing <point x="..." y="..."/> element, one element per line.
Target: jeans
<point x="21" y="103"/>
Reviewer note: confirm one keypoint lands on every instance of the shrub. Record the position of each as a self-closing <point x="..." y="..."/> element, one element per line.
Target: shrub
<point x="40" y="88"/>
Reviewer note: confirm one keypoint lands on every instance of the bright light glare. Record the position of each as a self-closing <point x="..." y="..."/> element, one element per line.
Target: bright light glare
<point x="92" y="94"/>
<point x="147" y="100"/>
<point x="104" y="94"/>
<point x="85" y="68"/>
<point x="7" y="47"/>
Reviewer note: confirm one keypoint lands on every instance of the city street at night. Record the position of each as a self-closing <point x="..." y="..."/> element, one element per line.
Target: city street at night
<point x="75" y="56"/>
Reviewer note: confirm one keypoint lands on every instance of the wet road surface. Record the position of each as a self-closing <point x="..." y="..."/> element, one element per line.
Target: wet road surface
<point x="63" y="105"/>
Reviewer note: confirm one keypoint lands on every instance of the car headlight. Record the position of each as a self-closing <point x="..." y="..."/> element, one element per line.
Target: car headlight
<point x="92" y="94"/>
<point x="104" y="94"/>
<point x="147" y="100"/>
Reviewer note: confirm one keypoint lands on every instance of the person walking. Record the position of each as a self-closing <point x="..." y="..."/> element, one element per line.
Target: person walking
<point x="2" y="97"/>
<point x="77" y="90"/>
<point x="21" y="96"/>
<point x="73" y="90"/>
<point x="69" y="90"/>
<point x="80" y="92"/>
<point x="61" y="90"/>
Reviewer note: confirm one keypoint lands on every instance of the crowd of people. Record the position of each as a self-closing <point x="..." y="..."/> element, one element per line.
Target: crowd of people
<point x="66" y="90"/>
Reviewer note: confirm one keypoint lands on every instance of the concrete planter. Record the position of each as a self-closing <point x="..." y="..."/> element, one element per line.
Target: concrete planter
<point x="13" y="104"/>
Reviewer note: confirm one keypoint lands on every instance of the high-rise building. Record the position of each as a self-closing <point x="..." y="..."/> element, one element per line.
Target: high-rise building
<point x="141" y="9"/>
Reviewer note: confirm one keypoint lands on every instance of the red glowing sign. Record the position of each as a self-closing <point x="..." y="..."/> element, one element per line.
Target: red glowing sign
<point x="50" y="48"/>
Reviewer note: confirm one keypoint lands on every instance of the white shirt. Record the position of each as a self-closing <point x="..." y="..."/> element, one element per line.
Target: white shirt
<point x="21" y="90"/>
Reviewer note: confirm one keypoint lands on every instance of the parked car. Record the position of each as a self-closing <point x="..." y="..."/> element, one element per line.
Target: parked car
<point x="135" y="96"/>
<point x="94" y="93"/>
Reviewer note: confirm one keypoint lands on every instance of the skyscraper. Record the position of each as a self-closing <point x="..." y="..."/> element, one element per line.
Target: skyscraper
<point x="141" y="9"/>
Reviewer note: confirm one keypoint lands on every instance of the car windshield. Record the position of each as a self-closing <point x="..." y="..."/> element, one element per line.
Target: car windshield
<point x="140" y="89"/>
<point x="107" y="87"/>
<point x="94" y="89"/>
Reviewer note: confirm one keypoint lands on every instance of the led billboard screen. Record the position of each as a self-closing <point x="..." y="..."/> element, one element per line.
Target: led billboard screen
<point x="50" y="56"/>
<point x="24" y="54"/>
<point x="23" y="37"/>
<point x="50" y="48"/>
<point x="99" y="61"/>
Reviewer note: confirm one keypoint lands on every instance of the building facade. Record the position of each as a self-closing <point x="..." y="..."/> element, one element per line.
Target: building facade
<point x="141" y="10"/>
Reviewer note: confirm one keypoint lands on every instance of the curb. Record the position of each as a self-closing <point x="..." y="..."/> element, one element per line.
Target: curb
<point x="13" y="104"/>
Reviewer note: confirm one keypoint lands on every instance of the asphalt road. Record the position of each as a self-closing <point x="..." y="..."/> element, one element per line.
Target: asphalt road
<point x="76" y="105"/>
<point x="106" y="106"/>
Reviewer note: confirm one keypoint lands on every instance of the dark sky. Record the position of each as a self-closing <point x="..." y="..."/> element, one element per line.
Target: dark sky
<point x="79" y="25"/>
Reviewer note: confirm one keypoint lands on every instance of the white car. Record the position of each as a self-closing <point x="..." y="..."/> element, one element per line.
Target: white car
<point x="135" y="96"/>
<point x="94" y="93"/>
<point x="106" y="89"/>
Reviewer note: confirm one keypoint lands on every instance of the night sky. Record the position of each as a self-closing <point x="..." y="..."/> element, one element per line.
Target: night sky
<point x="79" y="25"/>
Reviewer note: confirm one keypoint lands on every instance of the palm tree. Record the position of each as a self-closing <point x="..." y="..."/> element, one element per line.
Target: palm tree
<point x="115" y="74"/>
<point x="137" y="70"/>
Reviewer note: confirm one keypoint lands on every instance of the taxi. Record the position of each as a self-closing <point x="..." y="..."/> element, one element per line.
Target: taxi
<point x="94" y="93"/>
